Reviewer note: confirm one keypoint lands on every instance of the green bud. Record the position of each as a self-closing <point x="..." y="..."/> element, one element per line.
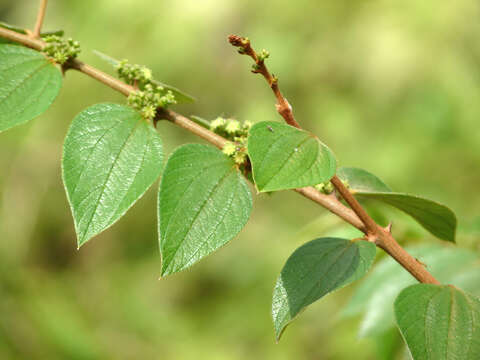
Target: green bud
<point x="240" y="157"/>
<point x="233" y="126"/>
<point x="229" y="149"/>
<point x="219" y="122"/>
<point x="61" y="50"/>
<point x="264" y="54"/>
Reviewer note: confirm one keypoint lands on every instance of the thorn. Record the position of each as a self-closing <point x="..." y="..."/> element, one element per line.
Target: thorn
<point x="388" y="228"/>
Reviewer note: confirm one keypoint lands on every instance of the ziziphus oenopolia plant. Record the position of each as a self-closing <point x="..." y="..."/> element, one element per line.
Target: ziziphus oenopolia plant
<point x="113" y="154"/>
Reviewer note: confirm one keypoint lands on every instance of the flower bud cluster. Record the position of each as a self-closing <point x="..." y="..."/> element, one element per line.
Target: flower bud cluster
<point x="61" y="50"/>
<point x="134" y="74"/>
<point x="147" y="101"/>
<point x="230" y="128"/>
<point x="327" y="187"/>
<point x="236" y="133"/>
<point x="150" y="96"/>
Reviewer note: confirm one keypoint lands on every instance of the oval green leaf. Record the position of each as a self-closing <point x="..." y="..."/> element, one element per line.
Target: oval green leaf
<point x="439" y="322"/>
<point x="284" y="157"/>
<point x="438" y="219"/>
<point x="375" y="296"/>
<point x="29" y="83"/>
<point x="203" y="203"/>
<point x="111" y="156"/>
<point x="314" y="270"/>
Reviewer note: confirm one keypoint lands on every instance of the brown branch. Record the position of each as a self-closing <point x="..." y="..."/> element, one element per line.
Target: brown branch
<point x="370" y="225"/>
<point x="371" y="229"/>
<point x="98" y="75"/>
<point x="21" y="38"/>
<point x="283" y="107"/>
<point x="40" y="16"/>
<point x="383" y="239"/>
<point x="192" y="126"/>
<point x="331" y="203"/>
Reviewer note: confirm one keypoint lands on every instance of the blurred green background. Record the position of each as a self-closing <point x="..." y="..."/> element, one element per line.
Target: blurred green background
<point x="391" y="86"/>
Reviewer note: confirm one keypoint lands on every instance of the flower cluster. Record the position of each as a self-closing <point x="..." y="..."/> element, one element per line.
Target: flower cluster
<point x="61" y="50"/>
<point x="134" y="74"/>
<point x="230" y="128"/>
<point x="237" y="151"/>
<point x="150" y="96"/>
<point x="236" y="133"/>
<point x="327" y="187"/>
<point x="147" y="101"/>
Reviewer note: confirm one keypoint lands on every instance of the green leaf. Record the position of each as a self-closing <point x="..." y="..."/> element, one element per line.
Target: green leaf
<point x="180" y="96"/>
<point x="434" y="217"/>
<point x="203" y="203"/>
<point x="284" y="157"/>
<point x="360" y="180"/>
<point x="375" y="296"/>
<point x="314" y="270"/>
<point x="111" y="156"/>
<point x="29" y="83"/>
<point x="439" y="322"/>
<point x="12" y="27"/>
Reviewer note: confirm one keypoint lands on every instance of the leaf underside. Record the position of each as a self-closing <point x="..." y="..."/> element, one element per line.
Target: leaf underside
<point x="111" y="156"/>
<point x="29" y="83"/>
<point x="439" y="322"/>
<point x="203" y="203"/>
<point x="438" y="219"/>
<point x="314" y="270"/>
<point x="284" y="157"/>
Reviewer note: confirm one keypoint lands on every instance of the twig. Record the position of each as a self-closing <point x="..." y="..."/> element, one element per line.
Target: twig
<point x="330" y="203"/>
<point x="283" y="107"/>
<point x="40" y="16"/>
<point x="373" y="232"/>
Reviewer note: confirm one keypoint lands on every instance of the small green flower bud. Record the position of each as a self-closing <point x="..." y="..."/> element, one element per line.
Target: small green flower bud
<point x="247" y="125"/>
<point x="233" y="126"/>
<point x="148" y="112"/>
<point x="264" y="54"/>
<point x="229" y="148"/>
<point x="326" y="188"/>
<point x="146" y="73"/>
<point x="219" y="122"/>
<point x="240" y="157"/>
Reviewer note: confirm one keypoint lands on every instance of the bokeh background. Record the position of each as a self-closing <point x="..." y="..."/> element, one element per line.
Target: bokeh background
<point x="391" y="86"/>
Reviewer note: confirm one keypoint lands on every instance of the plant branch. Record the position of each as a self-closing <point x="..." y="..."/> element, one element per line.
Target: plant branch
<point x="283" y="107"/>
<point x="370" y="225"/>
<point x="40" y="16"/>
<point x="383" y="240"/>
<point x="22" y="39"/>
<point x="371" y="229"/>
